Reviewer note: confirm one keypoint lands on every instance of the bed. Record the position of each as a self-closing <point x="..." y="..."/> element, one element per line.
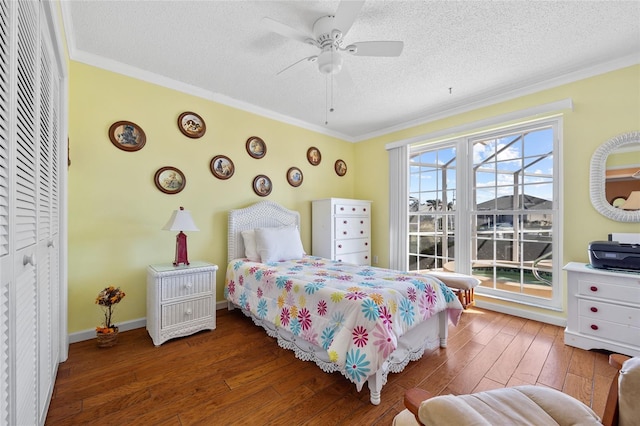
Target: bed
<point x="364" y="322"/>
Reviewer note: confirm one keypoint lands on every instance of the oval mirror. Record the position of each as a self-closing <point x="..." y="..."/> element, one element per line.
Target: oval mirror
<point x="615" y="178"/>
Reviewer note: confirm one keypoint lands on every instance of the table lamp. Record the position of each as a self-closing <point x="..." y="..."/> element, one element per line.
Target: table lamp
<point x="181" y="220"/>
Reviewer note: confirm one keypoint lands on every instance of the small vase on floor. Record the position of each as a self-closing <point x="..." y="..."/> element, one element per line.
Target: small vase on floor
<point x="107" y="340"/>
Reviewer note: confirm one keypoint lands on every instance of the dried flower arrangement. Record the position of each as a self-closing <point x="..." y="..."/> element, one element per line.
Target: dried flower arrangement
<point x="107" y="299"/>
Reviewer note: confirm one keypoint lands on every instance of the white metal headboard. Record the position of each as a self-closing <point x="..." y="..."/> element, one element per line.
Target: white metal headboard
<point x="265" y="214"/>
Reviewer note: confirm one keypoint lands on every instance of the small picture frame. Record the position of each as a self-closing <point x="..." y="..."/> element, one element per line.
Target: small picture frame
<point x="191" y="125"/>
<point x="340" y="167"/>
<point x="256" y="147"/>
<point x="262" y="185"/>
<point x="294" y="176"/>
<point x="314" y="156"/>
<point x="127" y="136"/>
<point x="222" y="167"/>
<point x="169" y="180"/>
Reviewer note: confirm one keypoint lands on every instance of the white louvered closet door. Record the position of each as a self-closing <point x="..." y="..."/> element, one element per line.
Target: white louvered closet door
<point x="24" y="212"/>
<point x="30" y="187"/>
<point x="5" y="259"/>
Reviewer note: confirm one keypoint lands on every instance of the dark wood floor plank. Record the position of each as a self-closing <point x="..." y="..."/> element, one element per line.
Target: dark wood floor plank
<point x="237" y="375"/>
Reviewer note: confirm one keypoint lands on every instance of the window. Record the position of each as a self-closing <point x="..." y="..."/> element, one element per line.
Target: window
<point x="485" y="204"/>
<point x="432" y="204"/>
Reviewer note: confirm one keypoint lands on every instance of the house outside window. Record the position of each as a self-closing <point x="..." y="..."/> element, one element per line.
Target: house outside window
<point x="485" y="204"/>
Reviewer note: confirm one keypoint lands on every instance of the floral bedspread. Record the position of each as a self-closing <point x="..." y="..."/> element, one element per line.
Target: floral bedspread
<point x="355" y="313"/>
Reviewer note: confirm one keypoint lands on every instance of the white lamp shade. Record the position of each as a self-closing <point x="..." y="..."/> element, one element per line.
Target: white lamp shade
<point x="180" y="220"/>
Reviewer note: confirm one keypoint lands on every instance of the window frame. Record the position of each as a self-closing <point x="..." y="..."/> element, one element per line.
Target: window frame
<point x="463" y="233"/>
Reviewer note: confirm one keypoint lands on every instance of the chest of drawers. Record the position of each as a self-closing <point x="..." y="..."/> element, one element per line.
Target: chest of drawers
<point x="603" y="310"/>
<point x="180" y="300"/>
<point x="341" y="230"/>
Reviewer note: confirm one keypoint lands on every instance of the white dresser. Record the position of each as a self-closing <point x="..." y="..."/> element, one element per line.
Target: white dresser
<point x="603" y="309"/>
<point x="180" y="300"/>
<point x="341" y="230"/>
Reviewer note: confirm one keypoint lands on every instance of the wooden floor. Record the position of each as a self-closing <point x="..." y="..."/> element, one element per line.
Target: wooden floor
<point x="238" y="375"/>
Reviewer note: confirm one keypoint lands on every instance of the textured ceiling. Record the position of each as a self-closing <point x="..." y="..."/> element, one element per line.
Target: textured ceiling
<point x="457" y="54"/>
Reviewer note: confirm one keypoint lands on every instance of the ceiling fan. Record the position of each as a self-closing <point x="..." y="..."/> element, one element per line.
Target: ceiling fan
<point x="328" y="35"/>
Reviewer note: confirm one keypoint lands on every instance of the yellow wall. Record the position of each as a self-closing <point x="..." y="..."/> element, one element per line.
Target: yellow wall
<point x="115" y="210"/>
<point x="604" y="106"/>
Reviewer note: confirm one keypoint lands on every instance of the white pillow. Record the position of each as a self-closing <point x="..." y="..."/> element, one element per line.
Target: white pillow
<point x="250" y="249"/>
<point x="276" y="244"/>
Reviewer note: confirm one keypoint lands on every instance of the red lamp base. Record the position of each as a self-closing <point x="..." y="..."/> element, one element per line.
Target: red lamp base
<point x="181" y="249"/>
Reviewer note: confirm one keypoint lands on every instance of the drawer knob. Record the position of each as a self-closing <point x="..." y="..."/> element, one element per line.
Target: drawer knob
<point x="341" y="208"/>
<point x="366" y="244"/>
<point x="361" y="222"/>
<point x="361" y="232"/>
<point x="188" y="312"/>
<point x="344" y="232"/>
<point x="594" y="327"/>
<point x="593" y="288"/>
<point x="594" y="309"/>
<point x="366" y="257"/>
<point x="344" y="221"/>
<point x="339" y="245"/>
<point x="353" y="209"/>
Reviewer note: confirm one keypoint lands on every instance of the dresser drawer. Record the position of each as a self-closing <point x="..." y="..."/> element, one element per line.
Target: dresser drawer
<point x="191" y="310"/>
<point x="351" y="246"/>
<point x="610" y="331"/>
<point x="623" y="315"/>
<point x="352" y="227"/>
<point x="600" y="290"/>
<point x="178" y="286"/>
<point x="361" y="258"/>
<point x="351" y="209"/>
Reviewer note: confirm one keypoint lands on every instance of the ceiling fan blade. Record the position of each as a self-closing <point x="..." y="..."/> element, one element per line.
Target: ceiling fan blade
<point x="297" y="64"/>
<point x="346" y="15"/>
<point x="378" y="48"/>
<point x="285" y="30"/>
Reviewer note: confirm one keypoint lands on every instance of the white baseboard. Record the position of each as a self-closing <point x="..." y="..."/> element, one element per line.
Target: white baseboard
<point x="123" y="326"/>
<point x="522" y="313"/>
<point x="91" y="333"/>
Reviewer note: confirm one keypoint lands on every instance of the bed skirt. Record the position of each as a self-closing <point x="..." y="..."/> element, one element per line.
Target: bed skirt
<point x="412" y="345"/>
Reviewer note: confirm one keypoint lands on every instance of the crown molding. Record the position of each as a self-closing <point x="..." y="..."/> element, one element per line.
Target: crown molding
<point x="508" y="93"/>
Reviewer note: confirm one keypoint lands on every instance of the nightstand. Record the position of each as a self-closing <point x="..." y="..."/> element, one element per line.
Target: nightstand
<point x="180" y="300"/>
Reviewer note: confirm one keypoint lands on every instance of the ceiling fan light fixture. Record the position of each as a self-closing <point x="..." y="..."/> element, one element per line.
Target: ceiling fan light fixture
<point x="329" y="62"/>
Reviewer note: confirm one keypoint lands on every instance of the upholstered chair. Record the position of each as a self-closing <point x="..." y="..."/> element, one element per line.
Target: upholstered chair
<point x="528" y="405"/>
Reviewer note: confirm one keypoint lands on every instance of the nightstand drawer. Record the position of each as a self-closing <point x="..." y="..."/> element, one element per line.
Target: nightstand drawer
<point x="610" y="331"/>
<point x="612" y="313"/>
<point x="174" y="287"/>
<point x="624" y="293"/>
<point x="178" y="313"/>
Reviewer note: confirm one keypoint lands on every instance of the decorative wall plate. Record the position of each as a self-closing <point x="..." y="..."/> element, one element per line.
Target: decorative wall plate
<point x="262" y="185"/>
<point x="341" y="167"/>
<point x="222" y="167"/>
<point x="256" y="147"/>
<point x="127" y="136"/>
<point x="191" y="125"/>
<point x="314" y="156"/>
<point x="294" y="176"/>
<point x="169" y="180"/>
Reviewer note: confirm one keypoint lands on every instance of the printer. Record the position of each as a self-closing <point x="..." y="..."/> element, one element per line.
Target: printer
<point x="614" y="255"/>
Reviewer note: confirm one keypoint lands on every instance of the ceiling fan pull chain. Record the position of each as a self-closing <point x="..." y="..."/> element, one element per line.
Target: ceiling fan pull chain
<point x="326" y="99"/>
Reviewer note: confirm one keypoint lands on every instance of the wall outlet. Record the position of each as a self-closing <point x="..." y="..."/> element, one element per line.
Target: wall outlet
<point x="375" y="259"/>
